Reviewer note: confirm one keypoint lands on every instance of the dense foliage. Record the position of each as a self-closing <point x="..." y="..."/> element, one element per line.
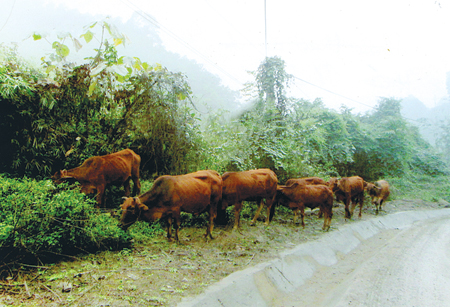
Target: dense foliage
<point x="39" y="223"/>
<point x="58" y="117"/>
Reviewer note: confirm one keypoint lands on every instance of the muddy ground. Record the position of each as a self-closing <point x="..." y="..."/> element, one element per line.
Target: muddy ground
<point x="161" y="273"/>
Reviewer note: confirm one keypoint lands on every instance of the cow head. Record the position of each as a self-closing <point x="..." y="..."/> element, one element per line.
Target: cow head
<point x="283" y="193"/>
<point x="61" y="176"/>
<point x="132" y="210"/>
<point x="88" y="188"/>
<point x="333" y="183"/>
<point x="372" y="189"/>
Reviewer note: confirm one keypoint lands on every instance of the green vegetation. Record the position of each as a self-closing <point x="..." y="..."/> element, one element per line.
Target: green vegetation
<point x="41" y="223"/>
<point x="58" y="115"/>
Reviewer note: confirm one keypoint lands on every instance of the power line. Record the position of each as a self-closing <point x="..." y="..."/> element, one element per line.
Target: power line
<point x="342" y="96"/>
<point x="10" y="13"/>
<point x="152" y="20"/>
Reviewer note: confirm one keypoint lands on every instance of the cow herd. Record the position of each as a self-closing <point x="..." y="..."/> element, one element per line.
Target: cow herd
<point x="208" y="191"/>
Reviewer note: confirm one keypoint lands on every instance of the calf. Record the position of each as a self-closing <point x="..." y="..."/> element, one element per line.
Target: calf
<point x="298" y="196"/>
<point x="379" y="192"/>
<point x="253" y="185"/>
<point x="170" y="195"/>
<point x="97" y="172"/>
<point x="349" y="189"/>
<point x="308" y="180"/>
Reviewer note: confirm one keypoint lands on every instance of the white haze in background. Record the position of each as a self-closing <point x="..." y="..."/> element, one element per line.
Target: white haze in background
<point x="361" y="50"/>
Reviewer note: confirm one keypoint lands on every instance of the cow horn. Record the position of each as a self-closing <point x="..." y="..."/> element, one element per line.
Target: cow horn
<point x="124" y="198"/>
<point x="137" y="200"/>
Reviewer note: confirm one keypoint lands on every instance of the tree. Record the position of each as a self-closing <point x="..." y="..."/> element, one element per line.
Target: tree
<point x="272" y="82"/>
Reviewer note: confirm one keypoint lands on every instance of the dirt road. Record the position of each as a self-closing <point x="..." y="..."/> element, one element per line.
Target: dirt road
<point x="409" y="267"/>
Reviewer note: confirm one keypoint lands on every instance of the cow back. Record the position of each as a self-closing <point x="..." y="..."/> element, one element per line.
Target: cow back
<point x="249" y="185"/>
<point x="306" y="180"/>
<point x="385" y="189"/>
<point x="190" y="193"/>
<point x="307" y="194"/>
<point x="351" y="185"/>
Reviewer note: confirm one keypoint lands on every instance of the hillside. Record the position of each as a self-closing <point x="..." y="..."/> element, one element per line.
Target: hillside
<point x="427" y="119"/>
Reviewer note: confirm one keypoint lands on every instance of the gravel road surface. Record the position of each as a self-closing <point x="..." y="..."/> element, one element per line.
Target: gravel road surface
<point x="406" y="267"/>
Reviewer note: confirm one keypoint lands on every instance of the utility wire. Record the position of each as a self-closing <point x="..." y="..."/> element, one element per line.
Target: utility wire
<point x="342" y="96"/>
<point x="152" y="20"/>
<point x="10" y="13"/>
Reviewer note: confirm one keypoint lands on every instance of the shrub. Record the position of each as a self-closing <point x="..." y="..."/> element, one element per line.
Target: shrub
<point x="419" y="186"/>
<point x="41" y="223"/>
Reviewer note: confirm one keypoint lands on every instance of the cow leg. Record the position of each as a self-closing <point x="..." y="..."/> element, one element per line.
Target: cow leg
<point x="347" y="211"/>
<point x="258" y="211"/>
<point x="352" y="209"/>
<point x="237" y="215"/>
<point x="325" y="219"/>
<point x="210" y="226"/>
<point x="136" y="186"/>
<point x="361" y="203"/>
<point x="126" y="186"/>
<point x="302" y="213"/>
<point x="177" y="225"/>
<point x="270" y="211"/>
<point x="296" y="215"/>
<point x="327" y="215"/>
<point x="101" y="196"/>
<point x="376" y="206"/>
<point x="169" y="227"/>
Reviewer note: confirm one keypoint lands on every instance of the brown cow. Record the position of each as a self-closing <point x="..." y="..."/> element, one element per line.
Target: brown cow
<point x="170" y="195"/>
<point x="97" y="172"/>
<point x="349" y="189"/>
<point x="308" y="180"/>
<point x="254" y="185"/>
<point x="379" y="192"/>
<point x="298" y="196"/>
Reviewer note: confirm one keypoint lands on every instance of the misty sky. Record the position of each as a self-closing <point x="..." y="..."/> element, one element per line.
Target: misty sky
<point x="361" y="50"/>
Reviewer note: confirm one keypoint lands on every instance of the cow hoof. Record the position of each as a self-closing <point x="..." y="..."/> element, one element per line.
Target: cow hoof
<point x="208" y="236"/>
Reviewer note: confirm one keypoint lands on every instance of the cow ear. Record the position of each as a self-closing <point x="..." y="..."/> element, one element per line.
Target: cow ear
<point x="64" y="174"/>
<point x="143" y="207"/>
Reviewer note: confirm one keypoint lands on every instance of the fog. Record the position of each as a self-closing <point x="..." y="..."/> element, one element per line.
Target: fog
<point x="346" y="53"/>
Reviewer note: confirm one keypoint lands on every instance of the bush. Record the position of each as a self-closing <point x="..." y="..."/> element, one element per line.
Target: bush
<point x="419" y="186"/>
<point x="142" y="231"/>
<point x="41" y="223"/>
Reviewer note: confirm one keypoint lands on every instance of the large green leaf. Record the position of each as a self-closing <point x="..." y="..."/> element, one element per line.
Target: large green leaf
<point x="87" y="36"/>
<point x="61" y="49"/>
